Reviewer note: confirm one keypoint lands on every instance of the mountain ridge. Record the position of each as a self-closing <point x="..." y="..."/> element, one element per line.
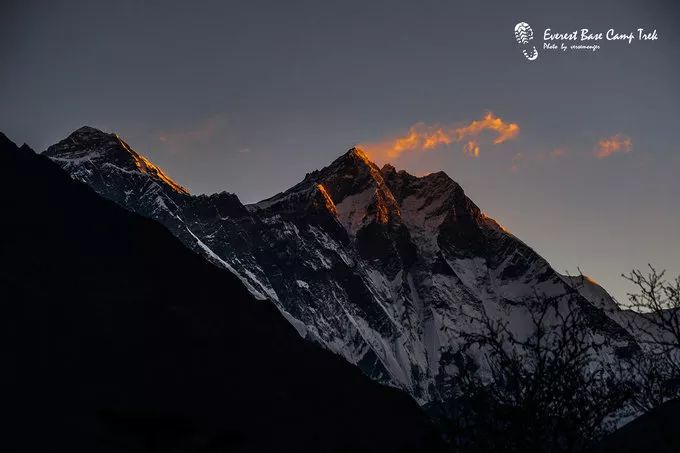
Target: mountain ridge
<point x="118" y="338"/>
<point x="390" y="282"/>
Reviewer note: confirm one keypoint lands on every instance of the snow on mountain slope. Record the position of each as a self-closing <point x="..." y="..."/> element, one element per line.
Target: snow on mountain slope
<point x="211" y="225"/>
<point x="593" y="292"/>
<point x="377" y="265"/>
<point x="636" y="323"/>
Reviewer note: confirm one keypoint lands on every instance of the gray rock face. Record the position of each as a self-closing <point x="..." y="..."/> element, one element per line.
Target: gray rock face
<point x="379" y="266"/>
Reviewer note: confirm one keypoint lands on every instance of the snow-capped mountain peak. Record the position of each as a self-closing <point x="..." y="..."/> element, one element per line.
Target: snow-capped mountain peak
<point x="88" y="148"/>
<point x="382" y="267"/>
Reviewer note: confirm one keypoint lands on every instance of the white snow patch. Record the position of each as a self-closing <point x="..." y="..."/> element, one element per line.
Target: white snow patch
<point x="352" y="210"/>
<point x="302" y="284"/>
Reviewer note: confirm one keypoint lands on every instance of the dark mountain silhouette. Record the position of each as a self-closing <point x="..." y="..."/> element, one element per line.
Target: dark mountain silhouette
<point x="116" y="337"/>
<point x="656" y="431"/>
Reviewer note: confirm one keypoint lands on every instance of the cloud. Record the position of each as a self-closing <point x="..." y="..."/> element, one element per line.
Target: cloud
<point x="422" y="137"/>
<point x="506" y="131"/>
<point x="615" y="144"/>
<point x="183" y="139"/>
<point x="471" y="148"/>
<point x="436" y="138"/>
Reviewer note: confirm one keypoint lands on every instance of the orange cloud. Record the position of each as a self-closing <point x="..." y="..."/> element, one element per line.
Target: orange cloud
<point x="422" y="137"/>
<point x="471" y="148"/>
<point x="419" y="137"/>
<point x="615" y="144"/>
<point x="436" y="138"/>
<point x="506" y="131"/>
<point x="181" y="140"/>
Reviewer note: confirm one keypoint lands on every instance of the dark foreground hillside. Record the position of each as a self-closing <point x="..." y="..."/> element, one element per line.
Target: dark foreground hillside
<point x="116" y="337"/>
<point x="656" y="431"/>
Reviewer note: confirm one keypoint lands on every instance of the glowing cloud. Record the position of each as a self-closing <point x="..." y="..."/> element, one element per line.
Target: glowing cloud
<point x="506" y="131"/>
<point x="185" y="139"/>
<point x="422" y="137"/>
<point x="615" y="144"/>
<point x="471" y="148"/>
<point x="419" y="137"/>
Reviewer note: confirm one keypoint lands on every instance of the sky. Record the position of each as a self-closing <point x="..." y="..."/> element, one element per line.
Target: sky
<point x="575" y="152"/>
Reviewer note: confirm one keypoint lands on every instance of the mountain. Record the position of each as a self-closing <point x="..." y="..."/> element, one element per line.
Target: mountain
<point x="654" y="431"/>
<point x="384" y="268"/>
<point x="116" y="337"/>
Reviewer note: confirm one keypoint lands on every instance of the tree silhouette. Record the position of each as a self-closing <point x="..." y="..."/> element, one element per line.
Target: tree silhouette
<point x="655" y="321"/>
<point x="547" y="391"/>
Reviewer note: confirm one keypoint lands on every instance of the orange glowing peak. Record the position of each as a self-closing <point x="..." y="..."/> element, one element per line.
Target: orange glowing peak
<point x="496" y="222"/>
<point x="360" y="153"/>
<point x="382" y="211"/>
<point x="146" y="166"/>
<point x="328" y="201"/>
<point x="590" y="280"/>
<point x="502" y="227"/>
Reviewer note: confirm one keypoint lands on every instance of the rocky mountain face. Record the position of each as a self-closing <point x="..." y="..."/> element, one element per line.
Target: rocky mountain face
<point x="117" y="338"/>
<point x="384" y="268"/>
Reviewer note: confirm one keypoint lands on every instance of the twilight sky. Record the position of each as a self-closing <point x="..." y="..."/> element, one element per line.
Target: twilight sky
<point x="249" y="96"/>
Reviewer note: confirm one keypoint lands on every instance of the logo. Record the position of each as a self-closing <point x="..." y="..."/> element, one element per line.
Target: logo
<point x="524" y="34"/>
<point x="579" y="40"/>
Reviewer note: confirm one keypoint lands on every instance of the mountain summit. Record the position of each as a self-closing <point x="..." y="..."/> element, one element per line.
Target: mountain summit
<point x="116" y="338"/>
<point x="88" y="148"/>
<point x="379" y="266"/>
